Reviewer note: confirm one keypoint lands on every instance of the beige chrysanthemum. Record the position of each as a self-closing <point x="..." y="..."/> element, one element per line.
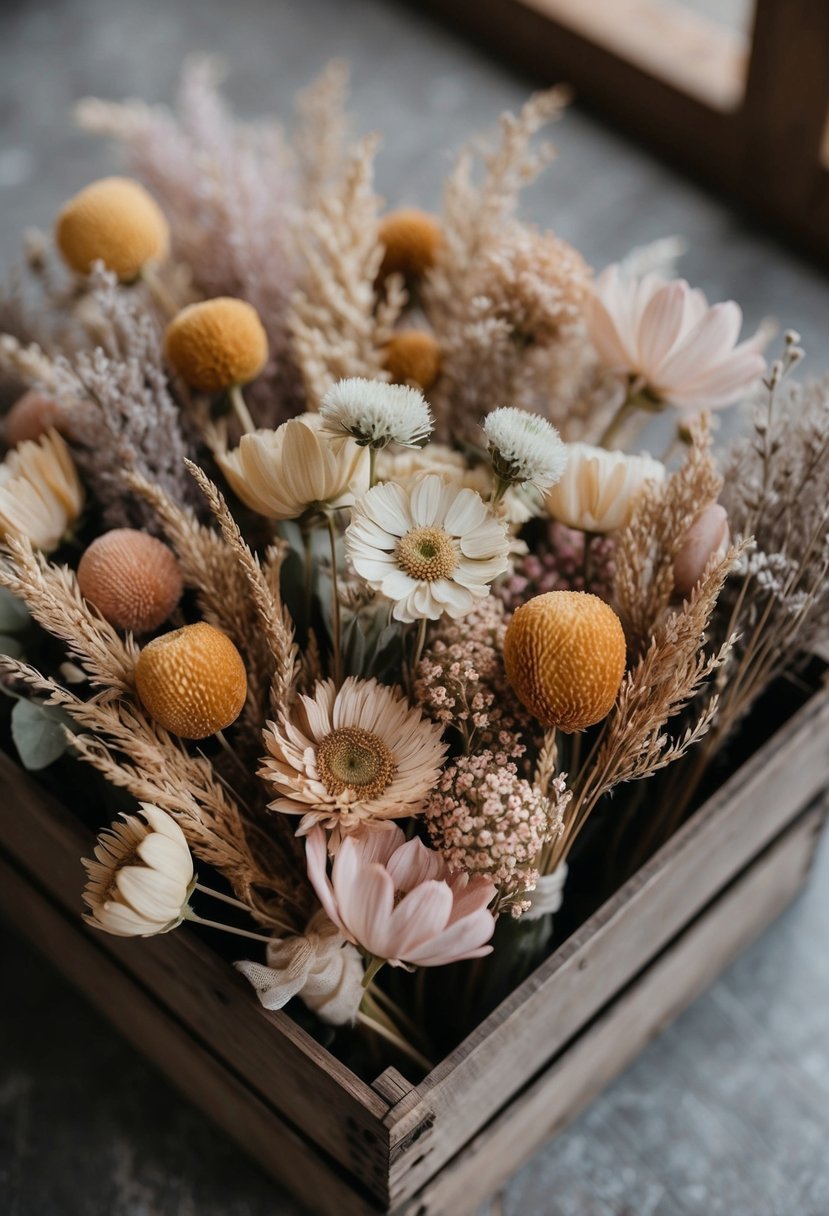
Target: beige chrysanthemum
<point x="598" y="489"/>
<point x="40" y="493"/>
<point x="140" y="878"/>
<point x="429" y="546"/>
<point x="296" y="468"/>
<point x="360" y="755"/>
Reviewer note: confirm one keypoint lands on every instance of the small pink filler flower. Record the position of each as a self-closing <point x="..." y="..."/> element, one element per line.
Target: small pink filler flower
<point x="666" y="334"/>
<point x="398" y="900"/>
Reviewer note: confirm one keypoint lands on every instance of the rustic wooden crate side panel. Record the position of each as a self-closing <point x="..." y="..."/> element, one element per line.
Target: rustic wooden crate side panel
<point x="501" y="1054"/>
<point x="624" y="1029"/>
<point x="168" y="1044"/>
<point x="284" y="1064"/>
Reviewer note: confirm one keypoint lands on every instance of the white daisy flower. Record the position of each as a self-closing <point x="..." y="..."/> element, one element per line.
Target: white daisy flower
<point x="349" y="757"/>
<point x="525" y="449"/>
<point x="430" y="546"/>
<point x="376" y="414"/>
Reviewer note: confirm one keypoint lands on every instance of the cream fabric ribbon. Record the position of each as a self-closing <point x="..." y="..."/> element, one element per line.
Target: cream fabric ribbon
<point x="548" y="894"/>
<point x="319" y="967"/>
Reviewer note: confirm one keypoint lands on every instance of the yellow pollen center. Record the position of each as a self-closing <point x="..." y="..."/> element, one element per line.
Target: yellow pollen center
<point x="426" y="554"/>
<point x="355" y="759"/>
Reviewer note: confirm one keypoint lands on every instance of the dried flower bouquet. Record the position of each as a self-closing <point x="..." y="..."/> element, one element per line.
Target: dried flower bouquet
<point x="324" y="543"/>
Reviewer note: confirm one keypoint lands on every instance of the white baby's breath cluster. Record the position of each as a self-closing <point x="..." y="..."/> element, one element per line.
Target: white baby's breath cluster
<point x="376" y="414"/>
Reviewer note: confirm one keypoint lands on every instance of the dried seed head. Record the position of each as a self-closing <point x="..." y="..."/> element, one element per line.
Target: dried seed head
<point x="410" y="239"/>
<point x="192" y="681"/>
<point x="113" y="220"/>
<point x="131" y="578"/>
<point x="217" y="343"/>
<point x="412" y="356"/>
<point x="564" y="654"/>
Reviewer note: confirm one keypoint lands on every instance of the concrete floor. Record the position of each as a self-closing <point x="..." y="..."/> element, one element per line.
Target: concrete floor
<point x="728" y="1113"/>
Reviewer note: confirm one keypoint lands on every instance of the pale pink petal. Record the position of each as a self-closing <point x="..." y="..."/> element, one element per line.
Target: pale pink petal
<point x="413" y="863"/>
<point x="705" y="344"/>
<point x="419" y="919"/>
<point x="661" y="324"/>
<point x="316" y="861"/>
<point x="464" y="938"/>
<point x="369" y="910"/>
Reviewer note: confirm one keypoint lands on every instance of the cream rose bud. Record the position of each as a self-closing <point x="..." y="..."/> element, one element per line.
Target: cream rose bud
<point x="284" y="473"/>
<point x="598" y="489"/>
<point x="319" y="966"/>
<point x="140" y="878"/>
<point x="708" y="537"/>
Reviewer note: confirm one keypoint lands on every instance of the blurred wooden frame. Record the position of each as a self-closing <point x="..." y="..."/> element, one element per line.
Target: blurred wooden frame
<point x="747" y="115"/>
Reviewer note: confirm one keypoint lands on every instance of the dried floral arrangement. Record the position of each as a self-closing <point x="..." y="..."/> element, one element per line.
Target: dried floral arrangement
<point x="326" y="542"/>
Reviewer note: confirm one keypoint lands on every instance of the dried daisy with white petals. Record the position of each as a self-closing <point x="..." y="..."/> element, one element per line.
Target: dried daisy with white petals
<point x="141" y="876"/>
<point x="357" y="756"/>
<point x="525" y="450"/>
<point x="376" y="414"/>
<point x="429" y="546"/>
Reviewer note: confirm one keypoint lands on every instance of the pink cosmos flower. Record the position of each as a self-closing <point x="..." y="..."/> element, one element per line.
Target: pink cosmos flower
<point x="666" y="334"/>
<point x="398" y="900"/>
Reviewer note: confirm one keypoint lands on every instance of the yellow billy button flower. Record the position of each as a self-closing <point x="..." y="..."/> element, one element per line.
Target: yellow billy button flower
<point x="412" y="356"/>
<point x="114" y="221"/>
<point x="192" y="681"/>
<point x="410" y="239"/>
<point x="564" y="654"/>
<point x="217" y="344"/>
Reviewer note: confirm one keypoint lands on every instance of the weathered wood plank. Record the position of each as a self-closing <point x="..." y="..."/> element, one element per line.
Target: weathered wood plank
<point x="626" y="1026"/>
<point x="472" y="1083"/>
<point x="283" y="1063"/>
<point x="179" y="1054"/>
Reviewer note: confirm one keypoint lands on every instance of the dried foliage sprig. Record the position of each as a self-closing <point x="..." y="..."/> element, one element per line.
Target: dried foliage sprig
<point x="338" y="323"/>
<point x="489" y="301"/>
<point x="645" y="550"/>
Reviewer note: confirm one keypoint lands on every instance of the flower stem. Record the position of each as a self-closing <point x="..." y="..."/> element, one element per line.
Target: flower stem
<point x="374" y="965"/>
<point x="633" y="401"/>
<point x="240" y="409"/>
<point x="159" y="292"/>
<point x="420" y="642"/>
<point x="225" y="899"/>
<point x="308" y="572"/>
<point x="587" y="559"/>
<point x="335" y="602"/>
<point x="391" y="1036"/>
<point x="189" y="914"/>
<point x="372" y="466"/>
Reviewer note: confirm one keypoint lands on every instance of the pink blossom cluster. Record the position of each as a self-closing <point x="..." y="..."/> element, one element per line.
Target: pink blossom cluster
<point x="486" y="820"/>
<point x="557" y="564"/>
<point x="461" y="682"/>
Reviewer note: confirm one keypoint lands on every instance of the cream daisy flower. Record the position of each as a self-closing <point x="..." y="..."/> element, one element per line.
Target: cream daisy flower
<point x="294" y="469"/>
<point x="525" y="449"/>
<point x="357" y="755"/>
<point x="376" y="414"/>
<point x="517" y="505"/>
<point x="40" y="493"/>
<point x="141" y="877"/>
<point x="429" y="546"/>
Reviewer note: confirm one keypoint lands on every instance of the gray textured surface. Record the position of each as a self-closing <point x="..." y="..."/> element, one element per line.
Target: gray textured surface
<point x="728" y="1113"/>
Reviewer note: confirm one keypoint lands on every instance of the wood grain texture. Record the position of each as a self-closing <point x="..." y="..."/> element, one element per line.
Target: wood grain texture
<point x="575" y="982"/>
<point x="651" y="1002"/>
<point x="285" y="1066"/>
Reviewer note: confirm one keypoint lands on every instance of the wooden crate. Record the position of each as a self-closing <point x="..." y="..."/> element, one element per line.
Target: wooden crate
<point x="350" y="1148"/>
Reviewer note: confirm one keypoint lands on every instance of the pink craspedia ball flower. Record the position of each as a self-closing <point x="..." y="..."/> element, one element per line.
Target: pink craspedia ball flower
<point x="31" y="416"/>
<point x="131" y="578"/>
<point x="708" y="536"/>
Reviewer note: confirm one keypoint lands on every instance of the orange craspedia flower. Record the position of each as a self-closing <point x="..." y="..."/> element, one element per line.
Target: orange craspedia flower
<point x="217" y="344"/>
<point x="412" y="356"/>
<point x="114" y="220"/>
<point x="410" y="239"/>
<point x="192" y="681"/>
<point x="564" y="654"/>
<point x="131" y="578"/>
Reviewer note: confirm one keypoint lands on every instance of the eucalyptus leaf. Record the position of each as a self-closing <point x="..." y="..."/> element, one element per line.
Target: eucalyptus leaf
<point x="39" y="734"/>
<point x="10" y="646"/>
<point x="14" y="615"/>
